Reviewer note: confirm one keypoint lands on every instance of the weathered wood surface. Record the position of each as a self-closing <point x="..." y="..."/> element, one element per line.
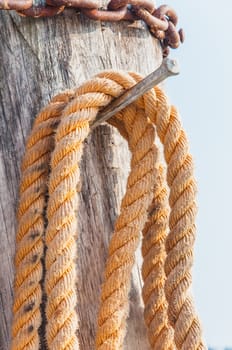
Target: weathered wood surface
<point x="39" y="58"/>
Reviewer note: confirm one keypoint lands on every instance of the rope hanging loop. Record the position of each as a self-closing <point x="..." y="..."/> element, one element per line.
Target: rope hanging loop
<point x="47" y="218"/>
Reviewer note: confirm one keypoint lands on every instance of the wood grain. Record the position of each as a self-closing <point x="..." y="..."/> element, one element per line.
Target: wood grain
<point x="39" y="58"/>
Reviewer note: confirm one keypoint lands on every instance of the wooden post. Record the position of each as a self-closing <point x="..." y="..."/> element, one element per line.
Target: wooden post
<point x="39" y="58"/>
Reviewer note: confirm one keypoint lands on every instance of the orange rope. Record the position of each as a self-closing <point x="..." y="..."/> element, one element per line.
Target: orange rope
<point x="51" y="168"/>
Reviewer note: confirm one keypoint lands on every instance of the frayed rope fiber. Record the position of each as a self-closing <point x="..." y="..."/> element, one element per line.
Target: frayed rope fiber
<point x="159" y="203"/>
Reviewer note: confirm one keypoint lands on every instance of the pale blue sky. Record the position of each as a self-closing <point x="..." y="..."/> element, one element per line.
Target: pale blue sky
<point x="202" y="94"/>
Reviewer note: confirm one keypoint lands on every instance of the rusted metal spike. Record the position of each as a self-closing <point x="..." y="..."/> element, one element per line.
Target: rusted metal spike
<point x="168" y="68"/>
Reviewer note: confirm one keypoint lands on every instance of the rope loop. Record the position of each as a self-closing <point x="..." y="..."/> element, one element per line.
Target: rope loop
<point x="159" y="203"/>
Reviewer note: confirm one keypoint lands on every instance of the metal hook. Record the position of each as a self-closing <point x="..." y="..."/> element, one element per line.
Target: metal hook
<point x="168" y="68"/>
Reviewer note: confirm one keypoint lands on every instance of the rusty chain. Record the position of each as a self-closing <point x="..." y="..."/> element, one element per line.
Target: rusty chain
<point x="161" y="21"/>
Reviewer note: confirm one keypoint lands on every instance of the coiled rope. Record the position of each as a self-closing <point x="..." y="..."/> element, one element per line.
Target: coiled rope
<point x="47" y="218"/>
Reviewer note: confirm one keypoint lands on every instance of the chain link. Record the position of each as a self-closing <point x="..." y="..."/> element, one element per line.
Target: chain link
<point x="161" y="21"/>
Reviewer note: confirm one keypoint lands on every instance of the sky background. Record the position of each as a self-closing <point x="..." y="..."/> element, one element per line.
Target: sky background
<point x="202" y="93"/>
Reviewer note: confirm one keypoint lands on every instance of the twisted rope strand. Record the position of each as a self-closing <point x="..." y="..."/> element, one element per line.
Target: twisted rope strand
<point x="179" y="243"/>
<point x="61" y="231"/>
<point x="160" y="333"/>
<point x="114" y="301"/>
<point x="29" y="237"/>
